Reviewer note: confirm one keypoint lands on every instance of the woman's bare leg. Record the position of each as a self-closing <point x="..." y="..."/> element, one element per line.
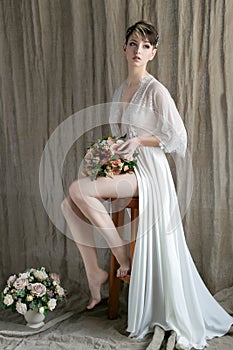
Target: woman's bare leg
<point x="79" y="225"/>
<point x="85" y="196"/>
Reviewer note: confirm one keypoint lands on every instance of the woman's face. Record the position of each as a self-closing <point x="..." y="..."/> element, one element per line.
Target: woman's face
<point x="139" y="51"/>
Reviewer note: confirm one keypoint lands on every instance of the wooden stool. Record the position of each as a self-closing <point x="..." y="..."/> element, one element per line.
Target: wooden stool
<point x="118" y="219"/>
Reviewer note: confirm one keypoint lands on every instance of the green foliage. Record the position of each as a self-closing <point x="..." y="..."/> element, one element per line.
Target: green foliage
<point x="33" y="289"/>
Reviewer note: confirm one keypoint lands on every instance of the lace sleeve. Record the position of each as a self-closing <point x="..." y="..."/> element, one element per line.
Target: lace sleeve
<point x="169" y="126"/>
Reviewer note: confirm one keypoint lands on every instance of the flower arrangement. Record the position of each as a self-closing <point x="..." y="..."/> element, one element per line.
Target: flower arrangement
<point x="34" y="289"/>
<point x="101" y="159"/>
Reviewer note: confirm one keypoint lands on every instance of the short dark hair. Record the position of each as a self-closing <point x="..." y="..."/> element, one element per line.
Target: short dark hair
<point x="146" y="30"/>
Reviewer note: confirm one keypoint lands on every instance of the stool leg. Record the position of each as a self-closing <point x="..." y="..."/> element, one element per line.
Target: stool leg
<point x="114" y="282"/>
<point x="114" y="290"/>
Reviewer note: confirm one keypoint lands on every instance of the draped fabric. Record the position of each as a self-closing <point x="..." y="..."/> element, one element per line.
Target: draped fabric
<point x="165" y="288"/>
<point x="60" y="56"/>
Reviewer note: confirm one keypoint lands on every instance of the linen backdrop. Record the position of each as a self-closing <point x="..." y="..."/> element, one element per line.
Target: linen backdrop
<point x="60" y="56"/>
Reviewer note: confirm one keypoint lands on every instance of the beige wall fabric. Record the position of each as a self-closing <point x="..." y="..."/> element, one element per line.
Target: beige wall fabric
<point x="60" y="56"/>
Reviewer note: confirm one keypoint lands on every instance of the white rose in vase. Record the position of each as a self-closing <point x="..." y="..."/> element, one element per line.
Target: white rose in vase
<point x="21" y="308"/>
<point x="52" y="304"/>
<point x="8" y="300"/>
<point x="60" y="291"/>
<point x="40" y="275"/>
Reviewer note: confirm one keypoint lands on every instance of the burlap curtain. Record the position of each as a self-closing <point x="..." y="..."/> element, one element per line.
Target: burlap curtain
<point x="60" y="56"/>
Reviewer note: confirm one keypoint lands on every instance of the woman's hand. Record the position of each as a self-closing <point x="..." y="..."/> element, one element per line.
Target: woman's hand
<point x="126" y="149"/>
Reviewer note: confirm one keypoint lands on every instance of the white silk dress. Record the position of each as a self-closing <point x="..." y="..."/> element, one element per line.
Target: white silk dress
<point x="165" y="287"/>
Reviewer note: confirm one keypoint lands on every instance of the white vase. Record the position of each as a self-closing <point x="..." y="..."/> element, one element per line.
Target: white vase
<point x="34" y="319"/>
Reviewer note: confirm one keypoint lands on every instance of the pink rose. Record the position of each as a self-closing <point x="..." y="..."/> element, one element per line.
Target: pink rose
<point x="38" y="289"/>
<point x="21" y="283"/>
<point x="11" y="280"/>
<point x="88" y="155"/>
<point x="116" y="171"/>
<point x="115" y="162"/>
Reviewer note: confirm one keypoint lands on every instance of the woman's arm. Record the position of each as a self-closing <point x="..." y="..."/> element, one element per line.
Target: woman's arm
<point x="151" y="141"/>
<point x="170" y="128"/>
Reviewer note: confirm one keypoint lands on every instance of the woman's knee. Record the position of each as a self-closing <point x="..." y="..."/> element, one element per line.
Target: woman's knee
<point x="68" y="207"/>
<point x="76" y="191"/>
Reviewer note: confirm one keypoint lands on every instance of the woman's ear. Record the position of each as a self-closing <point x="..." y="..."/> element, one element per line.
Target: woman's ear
<point x="124" y="47"/>
<point x="153" y="54"/>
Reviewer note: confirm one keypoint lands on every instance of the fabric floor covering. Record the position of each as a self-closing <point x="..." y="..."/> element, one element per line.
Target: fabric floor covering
<point x="73" y="328"/>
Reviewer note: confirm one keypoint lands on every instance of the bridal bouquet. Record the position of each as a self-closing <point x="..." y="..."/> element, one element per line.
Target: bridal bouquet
<point x="102" y="159"/>
<point x="34" y="289"/>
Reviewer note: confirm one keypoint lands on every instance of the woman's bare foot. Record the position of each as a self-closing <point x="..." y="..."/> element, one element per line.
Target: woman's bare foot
<point x="123" y="270"/>
<point x="122" y="255"/>
<point x="95" y="284"/>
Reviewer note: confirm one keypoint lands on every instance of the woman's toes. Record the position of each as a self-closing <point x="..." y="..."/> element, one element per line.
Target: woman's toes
<point x="122" y="272"/>
<point x="93" y="303"/>
<point x="95" y="287"/>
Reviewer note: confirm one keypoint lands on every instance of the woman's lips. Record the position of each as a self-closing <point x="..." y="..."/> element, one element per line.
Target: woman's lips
<point x="136" y="58"/>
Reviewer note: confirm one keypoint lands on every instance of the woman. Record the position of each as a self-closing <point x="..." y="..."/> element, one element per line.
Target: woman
<point x="165" y="287"/>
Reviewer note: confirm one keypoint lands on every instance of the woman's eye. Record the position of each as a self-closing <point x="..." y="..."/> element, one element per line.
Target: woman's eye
<point x="147" y="46"/>
<point x="132" y="44"/>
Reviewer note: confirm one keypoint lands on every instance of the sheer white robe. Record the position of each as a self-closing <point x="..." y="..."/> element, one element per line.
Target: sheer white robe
<point x="165" y="287"/>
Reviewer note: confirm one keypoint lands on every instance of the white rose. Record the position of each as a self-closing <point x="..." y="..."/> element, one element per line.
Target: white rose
<point x="25" y="275"/>
<point x="52" y="304"/>
<point x="11" y="280"/>
<point x="60" y="291"/>
<point x="38" y="289"/>
<point x="21" y="308"/>
<point x="20" y="283"/>
<point x="5" y="290"/>
<point x="8" y="300"/>
<point x="41" y="310"/>
<point x="40" y="275"/>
